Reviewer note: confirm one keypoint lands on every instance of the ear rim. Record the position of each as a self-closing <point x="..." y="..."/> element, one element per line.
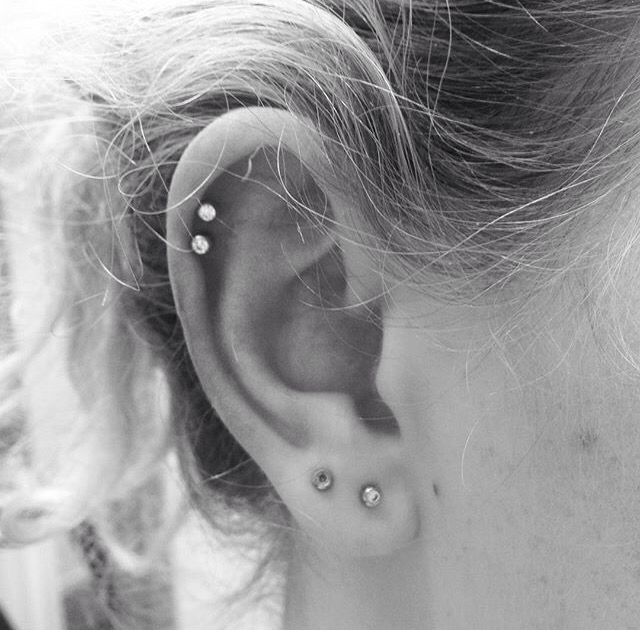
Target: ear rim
<point x="329" y="438"/>
<point x="273" y="127"/>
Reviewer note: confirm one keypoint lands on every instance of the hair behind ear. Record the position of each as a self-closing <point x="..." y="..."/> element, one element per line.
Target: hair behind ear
<point x="514" y="138"/>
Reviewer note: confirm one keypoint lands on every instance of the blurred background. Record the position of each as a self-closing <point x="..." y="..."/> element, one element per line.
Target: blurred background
<point x="32" y="580"/>
<point x="44" y="586"/>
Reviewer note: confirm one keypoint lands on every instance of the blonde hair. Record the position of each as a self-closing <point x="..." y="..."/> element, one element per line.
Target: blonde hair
<point x="484" y="138"/>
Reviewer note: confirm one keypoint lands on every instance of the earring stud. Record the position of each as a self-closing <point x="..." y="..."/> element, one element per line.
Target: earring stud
<point x="371" y="496"/>
<point x="207" y="212"/>
<point x="200" y="244"/>
<point x="322" y="480"/>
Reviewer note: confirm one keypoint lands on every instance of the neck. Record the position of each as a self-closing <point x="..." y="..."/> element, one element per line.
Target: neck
<point x="325" y="591"/>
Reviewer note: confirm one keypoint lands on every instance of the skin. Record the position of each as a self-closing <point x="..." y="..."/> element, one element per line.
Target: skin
<point x="509" y="473"/>
<point x="527" y="511"/>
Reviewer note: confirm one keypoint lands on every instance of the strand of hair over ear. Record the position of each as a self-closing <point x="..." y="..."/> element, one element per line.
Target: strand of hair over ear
<point x="104" y="110"/>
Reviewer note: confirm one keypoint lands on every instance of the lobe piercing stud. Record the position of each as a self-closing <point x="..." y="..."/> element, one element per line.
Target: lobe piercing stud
<point x="322" y="480"/>
<point x="371" y="496"/>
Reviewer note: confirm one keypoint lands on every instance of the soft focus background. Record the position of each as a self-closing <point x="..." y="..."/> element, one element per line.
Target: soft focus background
<point x="30" y="579"/>
<point x="34" y="581"/>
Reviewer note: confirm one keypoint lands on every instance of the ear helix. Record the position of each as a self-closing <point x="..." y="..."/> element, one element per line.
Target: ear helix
<point x="322" y="479"/>
<point x="368" y="495"/>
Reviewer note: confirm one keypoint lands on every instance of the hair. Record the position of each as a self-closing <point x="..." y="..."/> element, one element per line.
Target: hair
<point x="485" y="136"/>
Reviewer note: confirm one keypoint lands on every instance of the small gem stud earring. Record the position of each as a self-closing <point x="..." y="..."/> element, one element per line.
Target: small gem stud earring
<point x="200" y="244"/>
<point x="371" y="496"/>
<point x="322" y="480"/>
<point x="207" y="212"/>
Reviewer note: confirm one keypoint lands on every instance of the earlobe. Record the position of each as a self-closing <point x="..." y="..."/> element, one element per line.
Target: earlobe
<point x="279" y="316"/>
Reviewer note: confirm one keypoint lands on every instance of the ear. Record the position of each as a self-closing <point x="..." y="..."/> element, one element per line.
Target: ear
<point x="281" y="317"/>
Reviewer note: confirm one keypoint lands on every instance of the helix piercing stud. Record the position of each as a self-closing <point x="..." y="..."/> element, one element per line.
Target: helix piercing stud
<point x="371" y="496"/>
<point x="200" y="244"/>
<point x="207" y="212"/>
<point x="322" y="480"/>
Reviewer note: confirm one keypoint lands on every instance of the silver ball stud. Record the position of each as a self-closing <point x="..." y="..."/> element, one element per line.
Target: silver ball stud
<point x="371" y="496"/>
<point x="200" y="244"/>
<point x="322" y="480"/>
<point x="207" y="212"/>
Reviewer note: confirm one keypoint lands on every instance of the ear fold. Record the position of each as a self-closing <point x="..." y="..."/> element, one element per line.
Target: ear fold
<point x="281" y="314"/>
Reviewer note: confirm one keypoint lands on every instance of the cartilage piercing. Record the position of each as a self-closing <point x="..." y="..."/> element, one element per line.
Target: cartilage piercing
<point x="207" y="212"/>
<point x="200" y="244"/>
<point x="371" y="496"/>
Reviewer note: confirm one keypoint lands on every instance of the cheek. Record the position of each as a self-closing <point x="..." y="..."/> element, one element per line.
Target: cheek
<point x="458" y="407"/>
<point x="533" y="450"/>
<point x="545" y="447"/>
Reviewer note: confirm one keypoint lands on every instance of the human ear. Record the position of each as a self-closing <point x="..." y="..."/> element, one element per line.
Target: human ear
<point x="281" y="312"/>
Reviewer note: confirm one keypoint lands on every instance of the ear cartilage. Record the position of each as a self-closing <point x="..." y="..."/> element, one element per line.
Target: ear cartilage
<point x="322" y="480"/>
<point x="371" y="496"/>
<point x="200" y="244"/>
<point x="207" y="212"/>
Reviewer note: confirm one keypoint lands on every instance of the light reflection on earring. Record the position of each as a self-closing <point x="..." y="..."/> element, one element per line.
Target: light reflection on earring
<point x="200" y="244"/>
<point x="207" y="212"/>
<point x="371" y="496"/>
<point x="322" y="480"/>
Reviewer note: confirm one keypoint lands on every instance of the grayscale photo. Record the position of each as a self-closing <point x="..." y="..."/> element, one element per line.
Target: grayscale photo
<point x="319" y="315"/>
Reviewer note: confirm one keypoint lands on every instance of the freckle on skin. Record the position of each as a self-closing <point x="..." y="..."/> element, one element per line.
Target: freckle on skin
<point x="587" y="438"/>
